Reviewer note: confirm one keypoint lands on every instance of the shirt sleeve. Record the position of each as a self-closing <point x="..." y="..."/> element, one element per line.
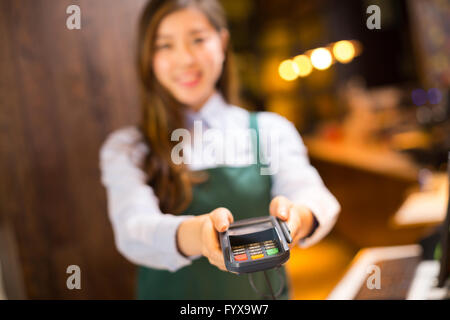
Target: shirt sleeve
<point x="142" y="233"/>
<point x="294" y="177"/>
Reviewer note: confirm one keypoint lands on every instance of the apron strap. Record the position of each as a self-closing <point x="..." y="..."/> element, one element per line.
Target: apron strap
<point x="255" y="142"/>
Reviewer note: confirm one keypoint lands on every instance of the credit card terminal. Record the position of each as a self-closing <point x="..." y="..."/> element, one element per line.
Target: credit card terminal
<point x="255" y="244"/>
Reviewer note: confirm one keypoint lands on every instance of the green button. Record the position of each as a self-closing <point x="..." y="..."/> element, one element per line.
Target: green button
<point x="272" y="251"/>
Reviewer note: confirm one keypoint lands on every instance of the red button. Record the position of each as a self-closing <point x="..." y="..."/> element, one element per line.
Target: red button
<point x="240" y="257"/>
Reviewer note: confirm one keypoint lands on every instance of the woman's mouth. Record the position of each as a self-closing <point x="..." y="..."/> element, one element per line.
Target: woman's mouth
<point x="190" y="81"/>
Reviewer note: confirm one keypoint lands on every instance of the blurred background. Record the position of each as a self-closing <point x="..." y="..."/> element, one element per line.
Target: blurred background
<point x="372" y="106"/>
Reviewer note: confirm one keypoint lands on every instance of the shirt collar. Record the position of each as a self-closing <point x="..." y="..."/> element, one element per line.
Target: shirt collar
<point x="211" y="112"/>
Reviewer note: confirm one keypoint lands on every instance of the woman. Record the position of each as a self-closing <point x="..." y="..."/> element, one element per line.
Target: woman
<point x="165" y="214"/>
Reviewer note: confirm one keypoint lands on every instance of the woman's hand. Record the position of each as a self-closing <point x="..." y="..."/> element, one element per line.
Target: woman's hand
<point x="217" y="221"/>
<point x="299" y="218"/>
<point x="199" y="235"/>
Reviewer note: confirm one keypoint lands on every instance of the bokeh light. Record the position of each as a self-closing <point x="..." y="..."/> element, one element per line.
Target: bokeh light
<point x="434" y="96"/>
<point x="344" y="51"/>
<point x="304" y="65"/>
<point x="288" y="70"/>
<point x="419" y="97"/>
<point x="321" y="58"/>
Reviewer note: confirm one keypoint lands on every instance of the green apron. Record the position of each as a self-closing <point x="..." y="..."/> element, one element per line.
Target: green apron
<point x="246" y="193"/>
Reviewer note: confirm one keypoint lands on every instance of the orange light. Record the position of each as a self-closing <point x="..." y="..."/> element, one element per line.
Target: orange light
<point x="344" y="51"/>
<point x="321" y="58"/>
<point x="304" y="65"/>
<point x="288" y="70"/>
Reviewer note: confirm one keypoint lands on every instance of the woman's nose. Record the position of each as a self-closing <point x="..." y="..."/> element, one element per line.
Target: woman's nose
<point x="185" y="54"/>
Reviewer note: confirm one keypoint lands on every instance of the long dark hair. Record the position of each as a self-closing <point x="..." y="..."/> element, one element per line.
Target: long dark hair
<point x="162" y="113"/>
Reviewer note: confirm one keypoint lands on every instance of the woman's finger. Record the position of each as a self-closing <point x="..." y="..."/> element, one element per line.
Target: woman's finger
<point x="221" y="264"/>
<point x="216" y="258"/>
<point x="211" y="245"/>
<point x="280" y="207"/>
<point x="294" y="225"/>
<point x="221" y="218"/>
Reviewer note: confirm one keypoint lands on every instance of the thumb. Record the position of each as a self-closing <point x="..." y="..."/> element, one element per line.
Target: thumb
<point x="221" y="219"/>
<point x="279" y="207"/>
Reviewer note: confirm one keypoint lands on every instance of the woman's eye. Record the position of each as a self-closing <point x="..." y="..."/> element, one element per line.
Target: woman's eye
<point x="199" y="40"/>
<point x="162" y="46"/>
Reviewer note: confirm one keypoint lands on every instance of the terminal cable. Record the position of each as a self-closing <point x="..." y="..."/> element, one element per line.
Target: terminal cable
<point x="272" y="295"/>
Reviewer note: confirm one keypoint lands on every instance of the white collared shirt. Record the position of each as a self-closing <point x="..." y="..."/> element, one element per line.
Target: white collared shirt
<point x="146" y="236"/>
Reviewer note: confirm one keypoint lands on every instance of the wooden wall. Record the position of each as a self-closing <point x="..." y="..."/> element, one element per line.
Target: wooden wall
<point x="61" y="92"/>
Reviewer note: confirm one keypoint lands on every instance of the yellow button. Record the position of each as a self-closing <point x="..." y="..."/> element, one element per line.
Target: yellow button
<point x="258" y="256"/>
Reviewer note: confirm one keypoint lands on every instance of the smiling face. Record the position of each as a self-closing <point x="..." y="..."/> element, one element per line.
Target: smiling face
<point x="189" y="55"/>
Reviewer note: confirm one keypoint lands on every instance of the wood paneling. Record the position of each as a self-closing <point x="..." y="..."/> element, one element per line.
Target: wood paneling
<point x="61" y="92"/>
